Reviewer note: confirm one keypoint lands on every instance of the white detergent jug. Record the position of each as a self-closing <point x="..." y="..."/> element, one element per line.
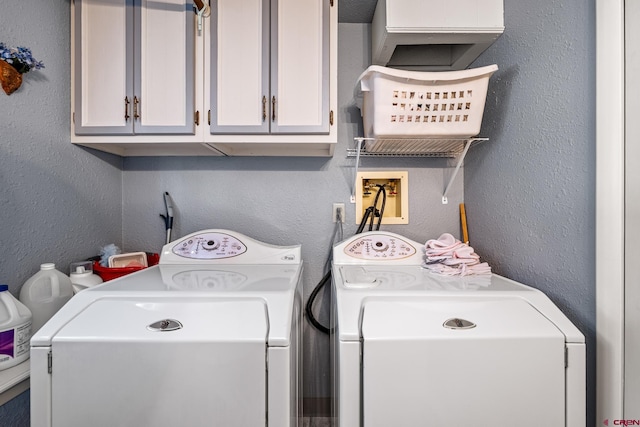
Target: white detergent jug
<point x="45" y="293"/>
<point x="15" y="330"/>
<point x="82" y="276"/>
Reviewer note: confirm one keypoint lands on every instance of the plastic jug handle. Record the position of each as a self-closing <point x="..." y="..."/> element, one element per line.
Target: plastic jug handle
<point x="55" y="286"/>
<point x="12" y="308"/>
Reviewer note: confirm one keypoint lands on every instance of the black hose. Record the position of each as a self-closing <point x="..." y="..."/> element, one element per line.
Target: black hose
<point x="308" y="309"/>
<point x="371" y="211"/>
<point x="365" y="218"/>
<point x="377" y="212"/>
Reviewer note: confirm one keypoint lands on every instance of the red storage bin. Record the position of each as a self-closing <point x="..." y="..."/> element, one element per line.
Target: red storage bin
<point x="110" y="273"/>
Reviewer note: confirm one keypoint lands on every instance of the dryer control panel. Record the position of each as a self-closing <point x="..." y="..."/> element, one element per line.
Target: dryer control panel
<point x="210" y="245"/>
<point x="379" y="247"/>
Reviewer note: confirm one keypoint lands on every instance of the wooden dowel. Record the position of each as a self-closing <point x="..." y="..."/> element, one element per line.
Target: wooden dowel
<point x="463" y="222"/>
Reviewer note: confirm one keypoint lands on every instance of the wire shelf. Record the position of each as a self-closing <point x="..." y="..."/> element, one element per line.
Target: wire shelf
<point x="442" y="148"/>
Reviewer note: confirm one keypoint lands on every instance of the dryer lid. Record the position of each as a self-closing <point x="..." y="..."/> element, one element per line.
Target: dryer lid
<point x="495" y="359"/>
<point x="452" y="318"/>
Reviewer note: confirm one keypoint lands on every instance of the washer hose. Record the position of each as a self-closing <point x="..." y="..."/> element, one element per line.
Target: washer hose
<point x="370" y="212"/>
<point x="309" y="307"/>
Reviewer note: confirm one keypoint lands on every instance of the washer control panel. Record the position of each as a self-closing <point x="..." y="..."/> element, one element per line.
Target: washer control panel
<point x="209" y="246"/>
<point x="379" y="247"/>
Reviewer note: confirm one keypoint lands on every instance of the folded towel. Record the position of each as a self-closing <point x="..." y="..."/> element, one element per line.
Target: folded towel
<point x="450" y="257"/>
<point x="461" y="270"/>
<point x="456" y="282"/>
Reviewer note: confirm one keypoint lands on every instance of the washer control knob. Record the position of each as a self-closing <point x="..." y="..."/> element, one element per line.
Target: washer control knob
<point x="210" y="245"/>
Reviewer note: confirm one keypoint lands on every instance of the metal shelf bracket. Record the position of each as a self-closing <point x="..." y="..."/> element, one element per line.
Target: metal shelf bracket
<point x="358" y="149"/>
<point x="451" y="150"/>
<point x="456" y="170"/>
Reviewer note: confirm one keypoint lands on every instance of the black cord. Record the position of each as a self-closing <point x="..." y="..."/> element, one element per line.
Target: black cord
<point x="371" y="211"/>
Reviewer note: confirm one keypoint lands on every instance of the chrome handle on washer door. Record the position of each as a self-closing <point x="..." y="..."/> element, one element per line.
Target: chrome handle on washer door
<point x="165" y="325"/>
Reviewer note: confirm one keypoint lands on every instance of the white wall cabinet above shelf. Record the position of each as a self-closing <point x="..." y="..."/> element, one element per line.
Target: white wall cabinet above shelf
<point x="263" y="84"/>
<point x="434" y="35"/>
<point x="421" y="147"/>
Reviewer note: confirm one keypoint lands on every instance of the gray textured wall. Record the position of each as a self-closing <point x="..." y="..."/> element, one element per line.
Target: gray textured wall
<point x="60" y="203"/>
<point x="530" y="191"/>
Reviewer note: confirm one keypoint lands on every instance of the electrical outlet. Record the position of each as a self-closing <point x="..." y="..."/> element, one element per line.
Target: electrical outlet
<point x="338" y="207"/>
<point x="396" y="206"/>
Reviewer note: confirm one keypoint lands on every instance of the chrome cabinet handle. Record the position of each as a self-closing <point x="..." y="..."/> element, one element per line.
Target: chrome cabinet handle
<point x="136" y="103"/>
<point x="126" y="108"/>
<point x="264" y="108"/>
<point x="273" y="109"/>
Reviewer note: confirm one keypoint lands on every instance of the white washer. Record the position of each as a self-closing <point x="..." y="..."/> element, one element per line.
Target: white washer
<point x="210" y="336"/>
<point x="413" y="348"/>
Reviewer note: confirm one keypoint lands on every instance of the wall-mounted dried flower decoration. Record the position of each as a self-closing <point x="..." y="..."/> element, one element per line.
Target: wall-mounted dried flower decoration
<point x="14" y="62"/>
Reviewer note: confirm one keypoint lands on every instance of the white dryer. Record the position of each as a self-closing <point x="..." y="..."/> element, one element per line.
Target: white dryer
<point x="412" y="348"/>
<point x="210" y="336"/>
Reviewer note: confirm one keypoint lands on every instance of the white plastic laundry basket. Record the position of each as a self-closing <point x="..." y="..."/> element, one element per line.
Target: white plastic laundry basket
<point x="401" y="105"/>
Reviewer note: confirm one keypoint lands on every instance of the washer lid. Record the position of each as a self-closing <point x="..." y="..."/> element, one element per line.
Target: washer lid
<point x="146" y="320"/>
<point x="161" y="362"/>
<point x="453" y="318"/>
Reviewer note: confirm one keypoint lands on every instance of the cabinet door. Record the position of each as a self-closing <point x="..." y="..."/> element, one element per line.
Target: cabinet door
<point x="164" y="67"/>
<point x="103" y="67"/>
<point x="134" y="67"/>
<point x="240" y="98"/>
<point x="300" y="66"/>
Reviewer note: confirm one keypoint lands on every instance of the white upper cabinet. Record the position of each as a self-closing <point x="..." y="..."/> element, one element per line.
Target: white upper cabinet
<point x="134" y="67"/>
<point x="435" y="35"/>
<point x="300" y="67"/>
<point x="270" y="67"/>
<point x="240" y="66"/>
<point x="256" y="78"/>
<point x="164" y="64"/>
